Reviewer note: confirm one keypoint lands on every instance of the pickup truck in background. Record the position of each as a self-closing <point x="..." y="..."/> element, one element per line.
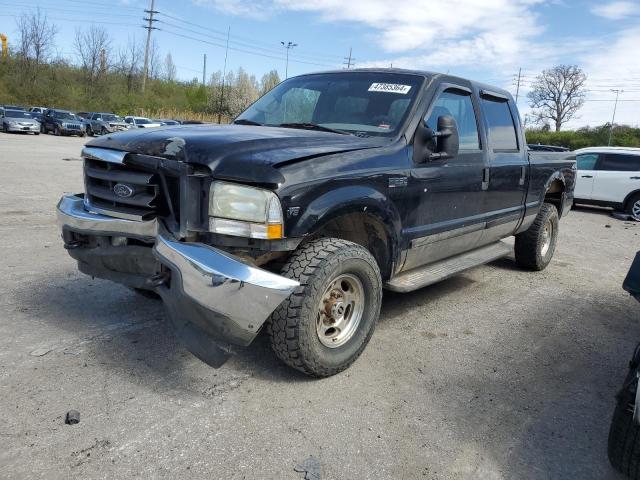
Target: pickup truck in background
<point x="609" y="177"/>
<point x="328" y="189"/>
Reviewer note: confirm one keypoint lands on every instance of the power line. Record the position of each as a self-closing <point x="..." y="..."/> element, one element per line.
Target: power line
<point x="236" y="49"/>
<point x="245" y="40"/>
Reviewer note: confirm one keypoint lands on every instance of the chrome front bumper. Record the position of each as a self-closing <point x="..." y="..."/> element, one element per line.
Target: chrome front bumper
<point x="207" y="292"/>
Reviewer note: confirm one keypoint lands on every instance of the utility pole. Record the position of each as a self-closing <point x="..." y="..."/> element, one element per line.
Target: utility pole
<point x="224" y="74"/>
<point x="204" y="70"/>
<point x="613" y="119"/>
<point x="288" y="46"/>
<point x="349" y="61"/>
<point x="149" y="27"/>
<point x="518" y="86"/>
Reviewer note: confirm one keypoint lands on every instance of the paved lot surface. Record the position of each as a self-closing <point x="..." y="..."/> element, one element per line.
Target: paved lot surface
<point x="496" y="373"/>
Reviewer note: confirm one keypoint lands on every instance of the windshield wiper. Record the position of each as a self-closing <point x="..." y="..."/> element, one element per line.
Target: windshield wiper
<point x="244" y="121"/>
<point x="312" y="126"/>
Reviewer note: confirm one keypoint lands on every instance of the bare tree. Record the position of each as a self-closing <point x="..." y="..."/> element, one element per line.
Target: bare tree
<point x="269" y="80"/>
<point x="243" y="90"/>
<point x="36" y="40"/>
<point x="129" y="62"/>
<point x="557" y="94"/>
<point x="155" y="64"/>
<point x="170" y="72"/>
<point x="93" y="47"/>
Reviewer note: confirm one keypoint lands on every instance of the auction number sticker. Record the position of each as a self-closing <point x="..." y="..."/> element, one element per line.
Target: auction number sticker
<point x="390" y="88"/>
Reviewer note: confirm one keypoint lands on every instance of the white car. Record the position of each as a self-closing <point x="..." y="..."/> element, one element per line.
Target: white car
<point x="609" y="177"/>
<point x="141" y="122"/>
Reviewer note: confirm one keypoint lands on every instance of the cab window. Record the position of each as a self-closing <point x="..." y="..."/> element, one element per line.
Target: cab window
<point x="501" y="127"/>
<point x="458" y="105"/>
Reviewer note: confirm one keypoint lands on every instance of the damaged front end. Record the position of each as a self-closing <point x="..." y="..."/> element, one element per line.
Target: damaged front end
<point x="150" y="240"/>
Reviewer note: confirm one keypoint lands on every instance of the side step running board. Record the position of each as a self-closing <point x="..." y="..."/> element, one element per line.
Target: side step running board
<point x="433" y="273"/>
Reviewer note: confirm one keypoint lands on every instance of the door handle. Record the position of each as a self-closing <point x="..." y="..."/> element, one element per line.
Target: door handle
<point x="485" y="178"/>
<point x="523" y="175"/>
<point x="634" y="178"/>
<point x="587" y="176"/>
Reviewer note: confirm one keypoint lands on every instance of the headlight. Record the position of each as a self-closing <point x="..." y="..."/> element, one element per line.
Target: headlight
<point x="244" y="211"/>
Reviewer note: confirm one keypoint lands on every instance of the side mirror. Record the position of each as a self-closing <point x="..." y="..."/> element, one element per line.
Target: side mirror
<point x="447" y="140"/>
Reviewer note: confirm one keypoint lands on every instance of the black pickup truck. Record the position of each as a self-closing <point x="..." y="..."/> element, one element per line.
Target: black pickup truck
<point x="327" y="190"/>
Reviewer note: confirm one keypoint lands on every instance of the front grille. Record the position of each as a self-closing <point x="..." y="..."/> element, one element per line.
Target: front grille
<point x="72" y="126"/>
<point x="104" y="179"/>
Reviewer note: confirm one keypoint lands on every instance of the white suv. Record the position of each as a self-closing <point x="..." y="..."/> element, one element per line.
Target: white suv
<point x="609" y="177"/>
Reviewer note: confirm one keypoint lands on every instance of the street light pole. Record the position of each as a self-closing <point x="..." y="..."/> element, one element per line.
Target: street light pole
<point x="615" y="106"/>
<point x="288" y="46"/>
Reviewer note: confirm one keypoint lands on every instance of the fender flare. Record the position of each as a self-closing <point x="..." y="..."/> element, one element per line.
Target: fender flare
<point x="352" y="199"/>
<point x="559" y="176"/>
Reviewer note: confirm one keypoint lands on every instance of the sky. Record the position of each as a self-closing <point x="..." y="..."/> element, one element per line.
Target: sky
<point x="486" y="40"/>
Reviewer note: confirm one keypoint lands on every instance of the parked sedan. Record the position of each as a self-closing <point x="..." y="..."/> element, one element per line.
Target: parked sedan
<point x="19" y="121"/>
<point x="62" y="122"/>
<point x="609" y="177"/>
<point x="103" y="123"/>
<point x="141" y="122"/>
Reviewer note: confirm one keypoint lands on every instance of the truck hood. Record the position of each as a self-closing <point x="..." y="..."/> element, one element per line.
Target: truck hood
<point x="235" y="152"/>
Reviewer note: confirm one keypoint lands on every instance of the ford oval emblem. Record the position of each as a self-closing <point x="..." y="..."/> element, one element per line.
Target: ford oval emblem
<point x="122" y="190"/>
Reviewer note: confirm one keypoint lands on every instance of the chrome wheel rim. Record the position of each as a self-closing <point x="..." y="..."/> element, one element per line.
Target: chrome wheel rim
<point x="340" y="310"/>
<point x="635" y="210"/>
<point x="547" y="235"/>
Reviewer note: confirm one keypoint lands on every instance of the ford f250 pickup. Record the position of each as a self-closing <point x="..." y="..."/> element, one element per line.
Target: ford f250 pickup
<point x="327" y="190"/>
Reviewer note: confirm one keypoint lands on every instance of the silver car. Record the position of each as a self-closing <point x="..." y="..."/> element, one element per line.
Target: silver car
<point x="103" y="123"/>
<point x="19" y="121"/>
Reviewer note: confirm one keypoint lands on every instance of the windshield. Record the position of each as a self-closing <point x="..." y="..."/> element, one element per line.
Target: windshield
<point x="111" y="118"/>
<point x="362" y="103"/>
<point x="17" y="114"/>
<point x="142" y="121"/>
<point x="65" y="116"/>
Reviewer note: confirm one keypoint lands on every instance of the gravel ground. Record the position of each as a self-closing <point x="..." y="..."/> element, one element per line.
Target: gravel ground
<point x="496" y="373"/>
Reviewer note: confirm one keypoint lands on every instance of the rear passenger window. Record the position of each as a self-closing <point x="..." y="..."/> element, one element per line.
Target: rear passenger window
<point x="460" y="107"/>
<point x="502" y="129"/>
<point x="587" y="161"/>
<point x="619" y="162"/>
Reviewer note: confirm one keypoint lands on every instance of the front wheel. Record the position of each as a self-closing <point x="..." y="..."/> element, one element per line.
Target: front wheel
<point x="534" y="247"/>
<point x="56" y="131"/>
<point x="326" y="323"/>
<point x="633" y="207"/>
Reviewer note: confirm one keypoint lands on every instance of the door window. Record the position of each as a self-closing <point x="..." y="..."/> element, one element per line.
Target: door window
<point x="501" y="127"/>
<point x="460" y="107"/>
<point x="618" y="162"/>
<point x="587" y="161"/>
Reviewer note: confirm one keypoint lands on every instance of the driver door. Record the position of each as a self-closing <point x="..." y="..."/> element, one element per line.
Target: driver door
<point x="448" y="193"/>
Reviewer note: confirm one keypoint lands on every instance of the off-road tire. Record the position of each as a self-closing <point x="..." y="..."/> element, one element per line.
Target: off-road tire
<point x="292" y="326"/>
<point x="632" y="201"/>
<point x="529" y="244"/>
<point x="56" y="131"/>
<point x="89" y="131"/>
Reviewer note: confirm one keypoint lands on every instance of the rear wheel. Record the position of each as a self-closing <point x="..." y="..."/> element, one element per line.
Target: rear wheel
<point x="534" y="247"/>
<point x="326" y="323"/>
<point x="5" y="129"/>
<point x="633" y="207"/>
